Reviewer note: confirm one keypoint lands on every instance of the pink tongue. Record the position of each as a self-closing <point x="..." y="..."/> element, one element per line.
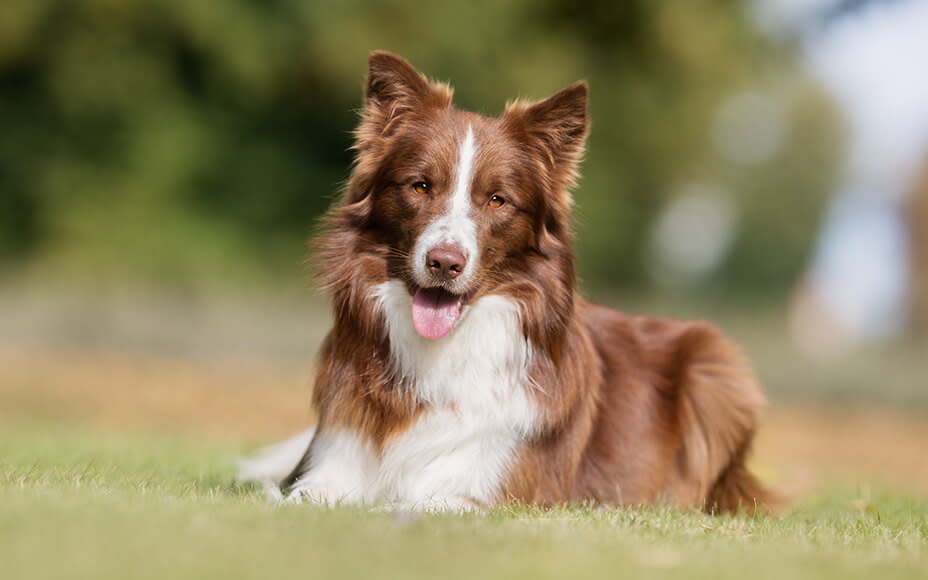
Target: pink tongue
<point x="434" y="312"/>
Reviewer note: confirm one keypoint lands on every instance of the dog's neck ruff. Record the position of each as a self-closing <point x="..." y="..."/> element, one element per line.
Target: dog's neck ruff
<point x="482" y="364"/>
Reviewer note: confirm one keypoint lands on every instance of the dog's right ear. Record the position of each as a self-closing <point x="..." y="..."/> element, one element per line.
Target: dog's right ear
<point x="395" y="90"/>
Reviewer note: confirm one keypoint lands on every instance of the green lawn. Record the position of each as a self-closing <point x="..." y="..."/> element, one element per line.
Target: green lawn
<point x="76" y="503"/>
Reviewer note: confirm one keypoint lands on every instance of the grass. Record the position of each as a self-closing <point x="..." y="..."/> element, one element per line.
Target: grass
<point x="75" y="502"/>
<point x="120" y="421"/>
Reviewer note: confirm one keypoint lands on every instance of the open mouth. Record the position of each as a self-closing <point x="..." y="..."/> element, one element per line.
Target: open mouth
<point x="435" y="311"/>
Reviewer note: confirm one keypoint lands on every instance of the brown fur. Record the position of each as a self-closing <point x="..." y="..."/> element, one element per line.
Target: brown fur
<point x="631" y="410"/>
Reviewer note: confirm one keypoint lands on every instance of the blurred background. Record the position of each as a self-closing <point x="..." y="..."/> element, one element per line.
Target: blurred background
<point x="761" y="163"/>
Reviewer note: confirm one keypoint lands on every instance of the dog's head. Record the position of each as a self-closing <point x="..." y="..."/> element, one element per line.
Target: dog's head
<point x="460" y="205"/>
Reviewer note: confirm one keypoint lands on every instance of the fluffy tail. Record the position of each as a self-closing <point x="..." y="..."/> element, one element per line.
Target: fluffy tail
<point x="269" y="465"/>
<point x="737" y="489"/>
<point x="719" y="413"/>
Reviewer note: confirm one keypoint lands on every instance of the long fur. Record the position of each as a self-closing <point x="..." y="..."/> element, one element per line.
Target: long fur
<point x="535" y="394"/>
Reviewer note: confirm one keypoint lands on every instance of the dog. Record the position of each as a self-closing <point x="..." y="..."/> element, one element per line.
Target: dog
<point x="464" y="370"/>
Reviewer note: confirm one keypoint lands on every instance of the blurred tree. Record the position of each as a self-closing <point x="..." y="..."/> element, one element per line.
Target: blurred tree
<point x="169" y="141"/>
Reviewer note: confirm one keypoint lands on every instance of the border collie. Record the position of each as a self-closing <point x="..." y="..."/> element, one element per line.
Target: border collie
<point x="464" y="370"/>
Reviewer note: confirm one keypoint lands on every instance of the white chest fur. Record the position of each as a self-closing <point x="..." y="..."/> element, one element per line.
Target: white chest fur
<point x="474" y="384"/>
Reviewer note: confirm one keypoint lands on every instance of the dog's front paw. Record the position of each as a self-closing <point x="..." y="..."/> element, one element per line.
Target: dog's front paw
<point x="323" y="496"/>
<point x="439" y="504"/>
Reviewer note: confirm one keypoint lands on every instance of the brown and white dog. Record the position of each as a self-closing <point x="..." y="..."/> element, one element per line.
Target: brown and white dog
<point x="464" y="369"/>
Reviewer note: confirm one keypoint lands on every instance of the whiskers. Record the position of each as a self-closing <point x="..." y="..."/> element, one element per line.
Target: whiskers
<point x="398" y="263"/>
<point x="397" y="253"/>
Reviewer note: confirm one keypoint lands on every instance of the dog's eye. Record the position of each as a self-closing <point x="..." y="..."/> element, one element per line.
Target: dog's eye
<point x="496" y="201"/>
<point x="421" y="187"/>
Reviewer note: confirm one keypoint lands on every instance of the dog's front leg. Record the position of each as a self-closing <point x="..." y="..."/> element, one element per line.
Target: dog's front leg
<point x="338" y="468"/>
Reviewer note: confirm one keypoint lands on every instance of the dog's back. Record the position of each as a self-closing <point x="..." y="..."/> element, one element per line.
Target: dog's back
<point x="679" y="412"/>
<point x="667" y="415"/>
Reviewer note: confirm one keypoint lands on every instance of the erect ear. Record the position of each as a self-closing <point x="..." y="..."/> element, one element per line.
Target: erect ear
<point x="556" y="128"/>
<point x="394" y="90"/>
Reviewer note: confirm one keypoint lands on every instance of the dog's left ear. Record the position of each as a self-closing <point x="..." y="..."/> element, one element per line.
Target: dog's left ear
<point x="556" y="128"/>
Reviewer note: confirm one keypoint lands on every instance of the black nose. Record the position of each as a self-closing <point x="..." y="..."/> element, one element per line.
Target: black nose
<point x="446" y="261"/>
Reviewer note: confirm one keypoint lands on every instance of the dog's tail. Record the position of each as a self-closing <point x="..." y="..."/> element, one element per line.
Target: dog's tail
<point x="269" y="465"/>
<point x="738" y="490"/>
<point x="719" y="411"/>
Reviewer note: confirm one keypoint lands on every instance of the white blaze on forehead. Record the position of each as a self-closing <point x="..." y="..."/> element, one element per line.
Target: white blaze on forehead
<point x="464" y="173"/>
<point x="454" y="226"/>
